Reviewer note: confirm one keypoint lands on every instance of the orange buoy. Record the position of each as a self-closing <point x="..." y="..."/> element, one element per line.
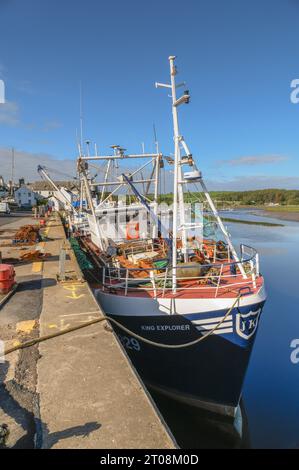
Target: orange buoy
<point x="132" y="231"/>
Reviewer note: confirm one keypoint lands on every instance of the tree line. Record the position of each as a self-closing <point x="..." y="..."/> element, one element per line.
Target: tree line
<point x="255" y="197"/>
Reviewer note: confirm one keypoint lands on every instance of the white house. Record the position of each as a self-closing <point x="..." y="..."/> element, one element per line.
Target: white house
<point x="25" y="197"/>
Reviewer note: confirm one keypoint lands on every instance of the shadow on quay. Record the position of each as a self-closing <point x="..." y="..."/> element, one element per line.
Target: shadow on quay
<point x="26" y="417"/>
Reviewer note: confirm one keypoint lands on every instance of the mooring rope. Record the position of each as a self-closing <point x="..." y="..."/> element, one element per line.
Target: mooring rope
<point x="32" y="342"/>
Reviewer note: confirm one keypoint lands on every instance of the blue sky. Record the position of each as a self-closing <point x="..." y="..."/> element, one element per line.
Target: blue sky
<point x="237" y="57"/>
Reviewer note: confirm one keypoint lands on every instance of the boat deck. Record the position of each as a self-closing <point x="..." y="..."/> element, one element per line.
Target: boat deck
<point x="191" y="289"/>
<point x="221" y="285"/>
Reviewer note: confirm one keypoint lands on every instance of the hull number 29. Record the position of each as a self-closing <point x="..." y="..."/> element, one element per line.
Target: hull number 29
<point x="129" y="343"/>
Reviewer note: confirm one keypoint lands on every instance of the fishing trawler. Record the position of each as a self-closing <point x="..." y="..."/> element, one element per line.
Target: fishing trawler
<point x="184" y="303"/>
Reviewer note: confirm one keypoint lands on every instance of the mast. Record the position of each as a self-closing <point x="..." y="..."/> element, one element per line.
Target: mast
<point x="81" y="117"/>
<point x="178" y="195"/>
<point x="157" y="180"/>
<point x="175" y="179"/>
<point x="156" y="193"/>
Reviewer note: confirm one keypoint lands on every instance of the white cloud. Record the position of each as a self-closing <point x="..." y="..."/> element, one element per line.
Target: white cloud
<point x="243" y="183"/>
<point x="52" y="125"/>
<point x="9" y="114"/>
<point x="26" y="165"/>
<point x="253" y="160"/>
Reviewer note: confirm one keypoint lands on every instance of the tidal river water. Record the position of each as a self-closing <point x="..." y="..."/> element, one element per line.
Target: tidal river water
<point x="270" y="404"/>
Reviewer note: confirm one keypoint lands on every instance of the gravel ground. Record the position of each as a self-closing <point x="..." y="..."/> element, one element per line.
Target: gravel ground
<point x="18" y="397"/>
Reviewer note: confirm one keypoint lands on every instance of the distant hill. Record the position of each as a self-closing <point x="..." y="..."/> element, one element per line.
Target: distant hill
<point x="261" y="196"/>
<point x="254" y="198"/>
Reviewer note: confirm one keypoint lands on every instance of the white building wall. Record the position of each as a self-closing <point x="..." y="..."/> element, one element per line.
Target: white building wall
<point x="44" y="193"/>
<point x="24" y="196"/>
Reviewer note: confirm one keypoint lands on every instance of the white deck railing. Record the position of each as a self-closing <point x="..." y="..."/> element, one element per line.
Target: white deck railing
<point x="225" y="276"/>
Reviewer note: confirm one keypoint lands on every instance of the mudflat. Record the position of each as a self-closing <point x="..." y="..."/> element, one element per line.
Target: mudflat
<point x="282" y="215"/>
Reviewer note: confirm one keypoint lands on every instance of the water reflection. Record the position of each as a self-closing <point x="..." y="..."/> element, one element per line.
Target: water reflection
<point x="272" y="384"/>
<point x="198" y="429"/>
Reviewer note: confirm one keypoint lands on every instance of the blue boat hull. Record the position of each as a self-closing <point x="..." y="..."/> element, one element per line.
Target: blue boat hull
<point x="209" y="374"/>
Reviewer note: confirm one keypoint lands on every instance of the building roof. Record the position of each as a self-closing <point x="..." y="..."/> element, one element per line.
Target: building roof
<point x="26" y="186"/>
<point x="46" y="186"/>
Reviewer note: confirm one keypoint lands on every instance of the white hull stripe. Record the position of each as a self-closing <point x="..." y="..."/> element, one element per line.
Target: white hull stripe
<point x="212" y="320"/>
<point x="210" y="327"/>
<point x="219" y="331"/>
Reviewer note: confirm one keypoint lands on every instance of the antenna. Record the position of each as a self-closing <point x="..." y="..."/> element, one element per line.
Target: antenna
<point x="81" y="117"/>
<point x="78" y="143"/>
<point x="87" y="145"/>
<point x="155" y="138"/>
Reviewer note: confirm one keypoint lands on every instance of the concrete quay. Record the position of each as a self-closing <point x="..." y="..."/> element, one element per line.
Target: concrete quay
<point x="78" y="390"/>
